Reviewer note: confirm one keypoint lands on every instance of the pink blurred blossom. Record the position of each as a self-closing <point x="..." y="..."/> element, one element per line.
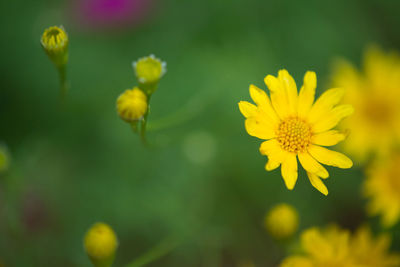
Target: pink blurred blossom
<point x="110" y="14"/>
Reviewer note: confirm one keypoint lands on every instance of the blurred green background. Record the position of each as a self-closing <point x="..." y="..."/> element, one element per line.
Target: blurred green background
<point x="203" y="180"/>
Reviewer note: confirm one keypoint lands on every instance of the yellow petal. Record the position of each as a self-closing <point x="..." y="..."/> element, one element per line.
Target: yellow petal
<point x="247" y="109"/>
<point x="332" y="118"/>
<point x="317" y="183"/>
<point x="325" y="103"/>
<point x="329" y="157"/>
<point x="259" y="96"/>
<point x="329" y="138"/>
<point x="274" y="161"/>
<point x="278" y="96"/>
<point x="289" y="85"/>
<point x="264" y="104"/>
<point x="307" y="93"/>
<point x="312" y="166"/>
<point x="270" y="147"/>
<point x="255" y="127"/>
<point x="289" y="170"/>
<point x="297" y="261"/>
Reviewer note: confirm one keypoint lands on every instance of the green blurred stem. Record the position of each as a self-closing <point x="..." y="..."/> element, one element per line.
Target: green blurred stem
<point x="143" y="129"/>
<point x="185" y="113"/>
<point x="62" y="71"/>
<point x="160" y="250"/>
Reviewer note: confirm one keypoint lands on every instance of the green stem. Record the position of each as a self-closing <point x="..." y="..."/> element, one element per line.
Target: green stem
<point x="192" y="108"/>
<point x="143" y="129"/>
<point x="160" y="250"/>
<point x="62" y="71"/>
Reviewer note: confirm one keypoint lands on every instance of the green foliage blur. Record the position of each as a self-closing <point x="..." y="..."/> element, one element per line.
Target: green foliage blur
<point x="202" y="180"/>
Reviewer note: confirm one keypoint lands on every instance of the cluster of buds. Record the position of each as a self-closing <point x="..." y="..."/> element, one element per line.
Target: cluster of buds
<point x="133" y="104"/>
<point x="101" y="243"/>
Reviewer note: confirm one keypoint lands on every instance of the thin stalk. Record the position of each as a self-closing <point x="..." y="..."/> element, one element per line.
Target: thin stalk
<point x="62" y="71"/>
<point x="158" y="251"/>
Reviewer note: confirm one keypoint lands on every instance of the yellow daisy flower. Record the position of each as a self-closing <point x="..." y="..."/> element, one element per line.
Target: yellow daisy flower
<point x="334" y="247"/>
<point x="375" y="95"/>
<point x="294" y="126"/>
<point x="382" y="186"/>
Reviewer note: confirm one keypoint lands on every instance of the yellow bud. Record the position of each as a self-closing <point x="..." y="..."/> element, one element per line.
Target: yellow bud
<point x="100" y="244"/>
<point x="149" y="71"/>
<point x="282" y="221"/>
<point x="132" y="105"/>
<point x="55" y="42"/>
<point x="4" y="159"/>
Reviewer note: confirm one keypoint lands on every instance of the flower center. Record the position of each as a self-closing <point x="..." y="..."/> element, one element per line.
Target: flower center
<point x="294" y="135"/>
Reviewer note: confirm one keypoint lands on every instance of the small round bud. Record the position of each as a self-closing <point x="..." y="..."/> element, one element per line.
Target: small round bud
<point x="149" y="71"/>
<point x="132" y="105"/>
<point x="4" y="159"/>
<point x="282" y="221"/>
<point x="55" y="42"/>
<point x="100" y="244"/>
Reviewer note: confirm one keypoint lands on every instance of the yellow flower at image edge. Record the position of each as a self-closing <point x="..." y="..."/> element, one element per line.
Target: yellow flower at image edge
<point x="100" y="244"/>
<point x="132" y="105"/>
<point x="296" y="127"/>
<point x="375" y="94"/>
<point x="334" y="246"/>
<point x="282" y="221"/>
<point x="4" y="159"/>
<point x="382" y="187"/>
<point x="55" y="42"/>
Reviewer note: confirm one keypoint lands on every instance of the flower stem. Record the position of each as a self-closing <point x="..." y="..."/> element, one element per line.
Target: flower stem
<point x="161" y="249"/>
<point x="62" y="71"/>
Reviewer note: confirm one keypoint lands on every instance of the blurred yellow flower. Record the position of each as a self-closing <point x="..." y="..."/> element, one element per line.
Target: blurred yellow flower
<point x="132" y="105"/>
<point x="295" y="126"/>
<point x="339" y="248"/>
<point x="382" y="187"/>
<point x="375" y="94"/>
<point x="55" y="42"/>
<point x="100" y="244"/>
<point x="282" y="221"/>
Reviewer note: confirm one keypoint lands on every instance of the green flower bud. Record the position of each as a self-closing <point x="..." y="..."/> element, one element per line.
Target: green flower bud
<point x="148" y="71"/>
<point x="55" y="43"/>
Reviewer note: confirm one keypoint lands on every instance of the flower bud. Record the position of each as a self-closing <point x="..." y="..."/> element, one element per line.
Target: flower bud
<point x="132" y="105"/>
<point x="148" y="71"/>
<point x="55" y="42"/>
<point x="100" y="244"/>
<point x="282" y="221"/>
<point x="4" y="159"/>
